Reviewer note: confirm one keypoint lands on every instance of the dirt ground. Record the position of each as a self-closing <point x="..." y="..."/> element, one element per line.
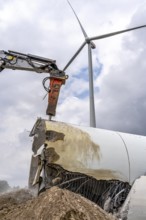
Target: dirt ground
<point x="54" y="204"/>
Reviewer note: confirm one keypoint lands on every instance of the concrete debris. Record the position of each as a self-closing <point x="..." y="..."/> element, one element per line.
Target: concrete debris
<point x="53" y="204"/>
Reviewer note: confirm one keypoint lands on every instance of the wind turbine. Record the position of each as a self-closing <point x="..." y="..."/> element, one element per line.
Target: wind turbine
<point x="91" y="45"/>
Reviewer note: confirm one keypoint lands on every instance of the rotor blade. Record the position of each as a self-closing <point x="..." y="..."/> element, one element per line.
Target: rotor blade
<point x="93" y="46"/>
<point x="83" y="31"/>
<point x="114" y="33"/>
<point x="74" y="56"/>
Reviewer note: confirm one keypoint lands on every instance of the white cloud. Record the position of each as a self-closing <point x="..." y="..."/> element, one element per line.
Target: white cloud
<point x="49" y="29"/>
<point x="123" y="88"/>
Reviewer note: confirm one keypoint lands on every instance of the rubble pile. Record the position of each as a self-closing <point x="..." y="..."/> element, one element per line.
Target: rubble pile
<point x="53" y="204"/>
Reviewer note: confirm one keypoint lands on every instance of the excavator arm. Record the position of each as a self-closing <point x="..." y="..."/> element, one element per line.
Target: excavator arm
<point x="28" y="62"/>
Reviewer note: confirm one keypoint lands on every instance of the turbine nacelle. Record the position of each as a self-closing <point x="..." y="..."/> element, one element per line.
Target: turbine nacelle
<point x="88" y="41"/>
